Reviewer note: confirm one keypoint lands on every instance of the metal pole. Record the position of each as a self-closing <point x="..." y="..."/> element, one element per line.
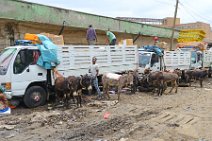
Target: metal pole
<point x="173" y="27"/>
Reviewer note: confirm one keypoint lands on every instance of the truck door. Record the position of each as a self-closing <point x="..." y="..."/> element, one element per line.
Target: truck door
<point x="196" y="59"/>
<point x="155" y="63"/>
<point x="144" y="61"/>
<point x="199" y="59"/>
<point x="25" y="71"/>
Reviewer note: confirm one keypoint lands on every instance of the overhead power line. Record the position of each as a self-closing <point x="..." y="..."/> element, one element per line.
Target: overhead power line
<point x="164" y="2"/>
<point x="187" y="11"/>
<point x="196" y="11"/>
<point x="190" y="10"/>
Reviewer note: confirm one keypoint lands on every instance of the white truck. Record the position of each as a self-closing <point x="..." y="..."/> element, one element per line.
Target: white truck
<point x="24" y="79"/>
<point x="199" y="58"/>
<point x="207" y="59"/>
<point x="170" y="60"/>
<point x="174" y="59"/>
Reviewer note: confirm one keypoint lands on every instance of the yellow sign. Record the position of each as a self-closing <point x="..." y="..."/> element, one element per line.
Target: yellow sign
<point x="193" y="35"/>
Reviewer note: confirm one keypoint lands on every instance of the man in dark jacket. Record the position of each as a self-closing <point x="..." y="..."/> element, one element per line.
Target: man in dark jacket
<point x="91" y="35"/>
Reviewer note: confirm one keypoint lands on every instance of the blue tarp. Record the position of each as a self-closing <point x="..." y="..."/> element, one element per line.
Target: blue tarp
<point x="155" y="49"/>
<point x="48" y="49"/>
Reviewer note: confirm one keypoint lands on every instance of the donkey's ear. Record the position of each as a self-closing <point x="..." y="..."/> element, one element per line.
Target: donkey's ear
<point x="129" y="72"/>
<point x="177" y="69"/>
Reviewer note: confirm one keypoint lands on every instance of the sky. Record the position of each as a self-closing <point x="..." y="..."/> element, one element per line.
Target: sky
<point x="188" y="10"/>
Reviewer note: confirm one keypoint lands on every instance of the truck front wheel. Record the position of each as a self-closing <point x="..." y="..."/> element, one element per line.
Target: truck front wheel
<point x="35" y="96"/>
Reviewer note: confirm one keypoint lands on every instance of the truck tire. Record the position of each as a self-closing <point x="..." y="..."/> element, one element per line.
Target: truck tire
<point x="35" y="96"/>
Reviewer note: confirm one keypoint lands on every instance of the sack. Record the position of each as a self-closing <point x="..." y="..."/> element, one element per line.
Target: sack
<point x="56" y="39"/>
<point x="5" y="111"/>
<point x="32" y="37"/>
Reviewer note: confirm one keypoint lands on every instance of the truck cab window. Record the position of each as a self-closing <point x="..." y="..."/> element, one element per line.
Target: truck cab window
<point x="155" y="59"/>
<point x="199" y="56"/>
<point x="193" y="57"/>
<point x="24" y="59"/>
<point x="35" y="55"/>
<point x="144" y="59"/>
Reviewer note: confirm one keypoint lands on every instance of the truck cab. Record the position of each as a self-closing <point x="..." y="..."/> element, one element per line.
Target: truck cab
<point x="158" y="60"/>
<point x="20" y="75"/>
<point x="150" y="60"/>
<point x="196" y="57"/>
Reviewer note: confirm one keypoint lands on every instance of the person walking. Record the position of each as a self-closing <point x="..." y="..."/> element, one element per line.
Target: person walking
<point x="91" y="35"/>
<point x="111" y="37"/>
<point x="94" y="70"/>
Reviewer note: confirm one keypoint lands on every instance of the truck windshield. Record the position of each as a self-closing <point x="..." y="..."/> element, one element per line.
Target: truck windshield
<point x="193" y="57"/>
<point x="144" y="59"/>
<point x="5" y="58"/>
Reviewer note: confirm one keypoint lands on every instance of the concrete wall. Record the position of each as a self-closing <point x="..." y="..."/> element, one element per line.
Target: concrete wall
<point x="168" y="22"/>
<point x="6" y="34"/>
<point x="36" y="13"/>
<point x="19" y="17"/>
<point x="71" y="35"/>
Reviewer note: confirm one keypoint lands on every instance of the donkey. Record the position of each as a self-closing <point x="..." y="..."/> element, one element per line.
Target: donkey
<point x="115" y="80"/>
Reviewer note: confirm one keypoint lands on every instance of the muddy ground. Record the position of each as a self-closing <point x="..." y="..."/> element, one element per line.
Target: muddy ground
<point x="185" y="116"/>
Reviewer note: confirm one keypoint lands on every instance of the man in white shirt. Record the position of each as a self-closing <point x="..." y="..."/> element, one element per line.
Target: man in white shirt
<point x="94" y="70"/>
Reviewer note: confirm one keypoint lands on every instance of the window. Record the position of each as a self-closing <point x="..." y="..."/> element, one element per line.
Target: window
<point x="24" y="59"/>
<point x="154" y="59"/>
<point x="5" y="59"/>
<point x="144" y="59"/>
<point x="193" y="57"/>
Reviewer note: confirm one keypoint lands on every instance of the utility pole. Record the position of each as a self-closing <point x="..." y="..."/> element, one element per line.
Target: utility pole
<point x="173" y="27"/>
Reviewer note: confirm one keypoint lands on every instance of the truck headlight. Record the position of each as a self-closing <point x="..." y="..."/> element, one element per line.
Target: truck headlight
<point x="7" y="86"/>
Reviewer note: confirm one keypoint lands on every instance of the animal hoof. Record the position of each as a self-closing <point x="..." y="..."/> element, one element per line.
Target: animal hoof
<point x="99" y="97"/>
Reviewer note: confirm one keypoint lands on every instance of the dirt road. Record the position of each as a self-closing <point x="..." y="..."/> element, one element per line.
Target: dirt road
<point x="184" y="116"/>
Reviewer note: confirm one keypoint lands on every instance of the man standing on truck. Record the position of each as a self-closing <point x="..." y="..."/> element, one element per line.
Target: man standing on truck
<point x="111" y="37"/>
<point x="91" y="35"/>
<point x="94" y="70"/>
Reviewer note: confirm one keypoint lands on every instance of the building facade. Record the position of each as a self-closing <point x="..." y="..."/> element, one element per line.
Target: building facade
<point x="168" y="22"/>
<point x="198" y="25"/>
<point x="19" y="17"/>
